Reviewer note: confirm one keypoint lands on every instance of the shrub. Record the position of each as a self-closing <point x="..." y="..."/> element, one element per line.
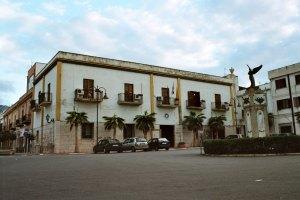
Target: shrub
<point x="280" y="144"/>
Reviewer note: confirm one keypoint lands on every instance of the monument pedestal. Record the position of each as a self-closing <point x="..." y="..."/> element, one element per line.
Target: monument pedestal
<point x="255" y="113"/>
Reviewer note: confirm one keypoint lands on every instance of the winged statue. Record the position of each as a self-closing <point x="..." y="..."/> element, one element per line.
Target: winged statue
<point x="251" y="74"/>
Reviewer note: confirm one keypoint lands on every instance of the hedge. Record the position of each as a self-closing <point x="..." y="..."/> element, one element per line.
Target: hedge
<point x="266" y="145"/>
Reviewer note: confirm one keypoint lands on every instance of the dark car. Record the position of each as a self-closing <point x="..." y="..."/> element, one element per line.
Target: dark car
<point x="107" y="145"/>
<point x="158" y="143"/>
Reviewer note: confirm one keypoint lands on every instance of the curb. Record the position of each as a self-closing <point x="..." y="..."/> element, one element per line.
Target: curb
<point x="251" y="155"/>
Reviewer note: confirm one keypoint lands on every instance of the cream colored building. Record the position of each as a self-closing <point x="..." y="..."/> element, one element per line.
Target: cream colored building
<point x="285" y="92"/>
<point x="63" y="85"/>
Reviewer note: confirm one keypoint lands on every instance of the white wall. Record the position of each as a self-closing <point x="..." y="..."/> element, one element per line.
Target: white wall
<point x="113" y="81"/>
<point x="207" y="92"/>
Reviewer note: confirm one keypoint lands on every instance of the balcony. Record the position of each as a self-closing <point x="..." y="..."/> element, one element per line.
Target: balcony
<point x="34" y="106"/>
<point x="45" y="99"/>
<point x="88" y="96"/>
<point x="167" y="103"/>
<point x="194" y="106"/>
<point x="26" y="119"/>
<point x="19" y="123"/>
<point x="220" y="106"/>
<point x="130" y="99"/>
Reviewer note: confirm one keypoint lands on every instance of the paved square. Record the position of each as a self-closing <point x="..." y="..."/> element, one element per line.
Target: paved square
<point x="178" y="174"/>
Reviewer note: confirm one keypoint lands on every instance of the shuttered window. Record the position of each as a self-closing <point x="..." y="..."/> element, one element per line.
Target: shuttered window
<point x="128" y="92"/>
<point x="297" y="79"/>
<point x="88" y="88"/>
<point x="280" y="83"/>
<point x="87" y="130"/>
<point x="194" y="98"/>
<point x="165" y="95"/>
<point x="297" y="101"/>
<point x="284" y="104"/>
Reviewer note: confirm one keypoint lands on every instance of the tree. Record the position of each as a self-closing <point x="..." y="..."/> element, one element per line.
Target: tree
<point x="216" y="124"/>
<point x="145" y="122"/>
<point x="114" y="122"/>
<point x="193" y="122"/>
<point x="75" y="119"/>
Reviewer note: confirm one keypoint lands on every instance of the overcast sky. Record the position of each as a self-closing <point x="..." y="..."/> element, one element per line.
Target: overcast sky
<point x="202" y="36"/>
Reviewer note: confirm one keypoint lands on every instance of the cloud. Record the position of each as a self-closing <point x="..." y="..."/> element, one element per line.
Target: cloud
<point x="54" y="8"/>
<point x="198" y="36"/>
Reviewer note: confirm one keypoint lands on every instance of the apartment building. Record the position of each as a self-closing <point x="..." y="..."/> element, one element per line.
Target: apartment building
<point x="18" y="117"/>
<point x="285" y="92"/>
<point x="68" y="81"/>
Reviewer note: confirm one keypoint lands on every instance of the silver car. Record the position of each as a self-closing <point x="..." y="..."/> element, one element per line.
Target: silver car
<point x="133" y="144"/>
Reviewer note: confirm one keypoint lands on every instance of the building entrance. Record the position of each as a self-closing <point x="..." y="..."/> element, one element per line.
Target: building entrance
<point x="167" y="131"/>
<point x="128" y="131"/>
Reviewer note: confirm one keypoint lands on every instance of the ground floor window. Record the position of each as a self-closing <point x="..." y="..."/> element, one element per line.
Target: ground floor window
<point x="87" y="131"/>
<point x="285" y="128"/>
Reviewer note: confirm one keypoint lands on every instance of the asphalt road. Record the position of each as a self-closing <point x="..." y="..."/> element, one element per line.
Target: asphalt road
<point x="178" y="174"/>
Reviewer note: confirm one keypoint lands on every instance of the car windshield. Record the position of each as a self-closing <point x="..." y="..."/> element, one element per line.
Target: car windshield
<point x="113" y="141"/>
<point x="141" y="140"/>
<point x="163" y="140"/>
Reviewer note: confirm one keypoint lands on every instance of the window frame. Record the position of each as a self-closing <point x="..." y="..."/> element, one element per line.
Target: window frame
<point x="277" y="84"/>
<point x="84" y="130"/>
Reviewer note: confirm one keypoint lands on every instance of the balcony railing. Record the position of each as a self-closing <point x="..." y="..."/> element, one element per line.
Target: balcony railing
<point x="34" y="106"/>
<point x="130" y="99"/>
<point x="88" y="96"/>
<point x="198" y="106"/>
<point x="171" y="102"/>
<point x="45" y="99"/>
<point x="220" y="106"/>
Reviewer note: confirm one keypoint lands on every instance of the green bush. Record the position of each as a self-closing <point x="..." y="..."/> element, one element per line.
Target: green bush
<point x="280" y="144"/>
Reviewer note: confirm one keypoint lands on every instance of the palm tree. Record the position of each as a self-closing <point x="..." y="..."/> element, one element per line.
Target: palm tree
<point x="216" y="124"/>
<point x="75" y="119"/>
<point x="145" y="122"/>
<point x="114" y="122"/>
<point x="193" y="122"/>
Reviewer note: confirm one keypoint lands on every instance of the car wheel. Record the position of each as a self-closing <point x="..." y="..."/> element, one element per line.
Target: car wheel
<point x="156" y="149"/>
<point x="133" y="149"/>
<point x="120" y="151"/>
<point x="145" y="149"/>
<point x="167" y="148"/>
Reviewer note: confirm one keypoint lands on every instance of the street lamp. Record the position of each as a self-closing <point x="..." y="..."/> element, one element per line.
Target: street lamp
<point x="98" y="92"/>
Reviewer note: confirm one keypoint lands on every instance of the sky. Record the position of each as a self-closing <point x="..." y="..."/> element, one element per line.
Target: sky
<point x="202" y="36"/>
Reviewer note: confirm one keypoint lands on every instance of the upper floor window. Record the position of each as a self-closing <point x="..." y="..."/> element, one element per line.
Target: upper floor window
<point x="280" y="83"/>
<point x="165" y="95"/>
<point x="284" y="104"/>
<point x="297" y="79"/>
<point x="297" y="101"/>
<point x="88" y="88"/>
<point x="194" y="98"/>
<point x="87" y="131"/>
<point x="128" y="92"/>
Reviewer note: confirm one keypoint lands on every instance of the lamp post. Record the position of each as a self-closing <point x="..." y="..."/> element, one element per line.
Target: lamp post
<point x="98" y="92"/>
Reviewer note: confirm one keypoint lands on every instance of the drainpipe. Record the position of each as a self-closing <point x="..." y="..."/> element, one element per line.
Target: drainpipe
<point x="292" y="107"/>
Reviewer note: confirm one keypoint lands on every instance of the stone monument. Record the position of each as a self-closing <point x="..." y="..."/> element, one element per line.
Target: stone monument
<point x="255" y="108"/>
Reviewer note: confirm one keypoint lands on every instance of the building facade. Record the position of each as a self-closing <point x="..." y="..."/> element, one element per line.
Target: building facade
<point x="68" y="82"/>
<point x="17" y="119"/>
<point x="285" y="92"/>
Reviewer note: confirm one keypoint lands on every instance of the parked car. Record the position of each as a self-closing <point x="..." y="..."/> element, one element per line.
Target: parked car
<point x="158" y="143"/>
<point x="133" y="144"/>
<point x="108" y="145"/>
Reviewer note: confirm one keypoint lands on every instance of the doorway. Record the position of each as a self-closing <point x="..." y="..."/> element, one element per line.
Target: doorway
<point x="128" y="131"/>
<point x="167" y="131"/>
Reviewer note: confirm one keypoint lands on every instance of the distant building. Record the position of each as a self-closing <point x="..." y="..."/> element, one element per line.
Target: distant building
<point x="285" y="92"/>
<point x="18" y="117"/>
<point x="2" y="110"/>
